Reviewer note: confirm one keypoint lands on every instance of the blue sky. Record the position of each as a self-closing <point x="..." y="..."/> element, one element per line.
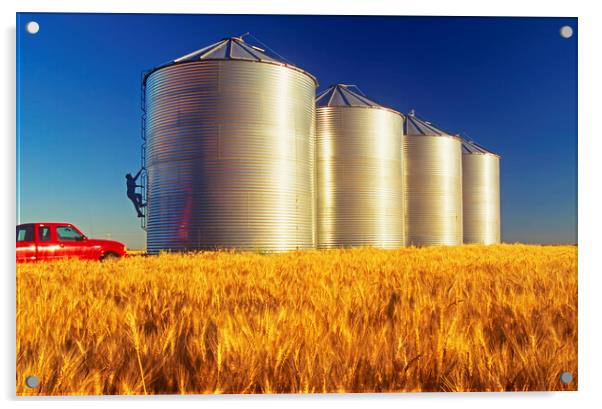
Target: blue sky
<point x="508" y="83"/>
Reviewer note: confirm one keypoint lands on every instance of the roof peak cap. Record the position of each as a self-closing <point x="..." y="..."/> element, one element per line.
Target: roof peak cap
<point x="237" y="38"/>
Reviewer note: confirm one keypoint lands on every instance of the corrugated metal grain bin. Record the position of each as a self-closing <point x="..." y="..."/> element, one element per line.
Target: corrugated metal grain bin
<point x="359" y="171"/>
<point x="480" y="194"/>
<point x="433" y="184"/>
<point x="230" y="151"/>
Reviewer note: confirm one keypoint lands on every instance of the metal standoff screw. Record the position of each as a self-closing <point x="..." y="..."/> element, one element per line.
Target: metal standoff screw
<point x="566" y="377"/>
<point x="32" y="27"/>
<point x="32" y="381"/>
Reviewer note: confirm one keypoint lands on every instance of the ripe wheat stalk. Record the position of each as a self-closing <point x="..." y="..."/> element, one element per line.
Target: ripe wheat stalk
<point x="470" y="318"/>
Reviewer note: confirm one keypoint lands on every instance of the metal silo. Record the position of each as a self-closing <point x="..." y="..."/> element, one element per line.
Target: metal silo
<point x="480" y="194"/>
<point x="230" y="134"/>
<point x="433" y="184"/>
<point x="359" y="171"/>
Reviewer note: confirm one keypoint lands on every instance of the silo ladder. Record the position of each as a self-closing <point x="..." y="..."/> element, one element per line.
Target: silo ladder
<point x="143" y="184"/>
<point x="143" y="176"/>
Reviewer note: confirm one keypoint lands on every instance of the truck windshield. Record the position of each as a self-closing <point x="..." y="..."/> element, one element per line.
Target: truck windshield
<point x="25" y="233"/>
<point x="68" y="233"/>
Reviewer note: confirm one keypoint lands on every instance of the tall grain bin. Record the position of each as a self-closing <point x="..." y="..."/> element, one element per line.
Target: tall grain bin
<point x="433" y="184"/>
<point x="230" y="151"/>
<point x="481" y="194"/>
<point x="359" y="171"/>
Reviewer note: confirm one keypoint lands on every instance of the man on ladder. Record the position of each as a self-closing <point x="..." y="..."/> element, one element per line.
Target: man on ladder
<point x="136" y="198"/>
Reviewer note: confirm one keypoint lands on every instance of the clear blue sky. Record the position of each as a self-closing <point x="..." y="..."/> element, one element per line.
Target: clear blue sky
<point x="508" y="83"/>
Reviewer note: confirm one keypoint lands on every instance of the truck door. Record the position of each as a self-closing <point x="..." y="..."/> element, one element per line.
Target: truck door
<point x="26" y="244"/>
<point x="48" y="248"/>
<point x="70" y="241"/>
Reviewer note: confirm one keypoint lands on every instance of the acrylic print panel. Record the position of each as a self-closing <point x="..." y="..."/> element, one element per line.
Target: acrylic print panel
<point x="295" y="204"/>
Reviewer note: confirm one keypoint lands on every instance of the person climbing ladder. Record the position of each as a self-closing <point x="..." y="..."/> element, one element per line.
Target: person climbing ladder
<point x="136" y="198"/>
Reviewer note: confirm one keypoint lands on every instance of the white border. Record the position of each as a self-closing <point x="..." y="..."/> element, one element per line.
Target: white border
<point x="590" y="134"/>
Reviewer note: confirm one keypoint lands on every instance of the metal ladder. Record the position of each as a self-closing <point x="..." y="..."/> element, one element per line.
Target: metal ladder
<point x="143" y="175"/>
<point x="143" y="183"/>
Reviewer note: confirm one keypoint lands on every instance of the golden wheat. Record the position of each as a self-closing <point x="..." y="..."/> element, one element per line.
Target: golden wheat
<point x="470" y="318"/>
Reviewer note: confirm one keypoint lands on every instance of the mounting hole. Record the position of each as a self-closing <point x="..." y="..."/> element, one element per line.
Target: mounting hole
<point x="32" y="27"/>
<point x="566" y="377"/>
<point x="566" y="31"/>
<point x="32" y="381"/>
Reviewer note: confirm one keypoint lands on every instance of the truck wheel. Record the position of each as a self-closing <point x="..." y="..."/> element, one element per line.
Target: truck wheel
<point x="109" y="256"/>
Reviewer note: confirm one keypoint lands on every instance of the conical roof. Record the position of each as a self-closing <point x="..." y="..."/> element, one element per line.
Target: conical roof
<point x="232" y="48"/>
<point x="345" y="95"/>
<point x="471" y="147"/>
<point x="415" y="126"/>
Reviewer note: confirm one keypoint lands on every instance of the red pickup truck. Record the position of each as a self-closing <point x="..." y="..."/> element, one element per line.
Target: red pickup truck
<point x="52" y="241"/>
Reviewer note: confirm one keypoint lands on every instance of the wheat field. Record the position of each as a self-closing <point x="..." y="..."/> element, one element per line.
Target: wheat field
<point x="469" y="318"/>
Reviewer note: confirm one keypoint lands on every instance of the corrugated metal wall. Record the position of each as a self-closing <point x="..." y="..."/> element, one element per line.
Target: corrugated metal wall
<point x="481" y="198"/>
<point x="433" y="190"/>
<point x="230" y="157"/>
<point x="359" y="177"/>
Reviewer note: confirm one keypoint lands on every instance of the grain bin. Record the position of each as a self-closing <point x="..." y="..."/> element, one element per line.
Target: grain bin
<point x="433" y="184"/>
<point x="359" y="171"/>
<point x="230" y="151"/>
<point x="480" y="194"/>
